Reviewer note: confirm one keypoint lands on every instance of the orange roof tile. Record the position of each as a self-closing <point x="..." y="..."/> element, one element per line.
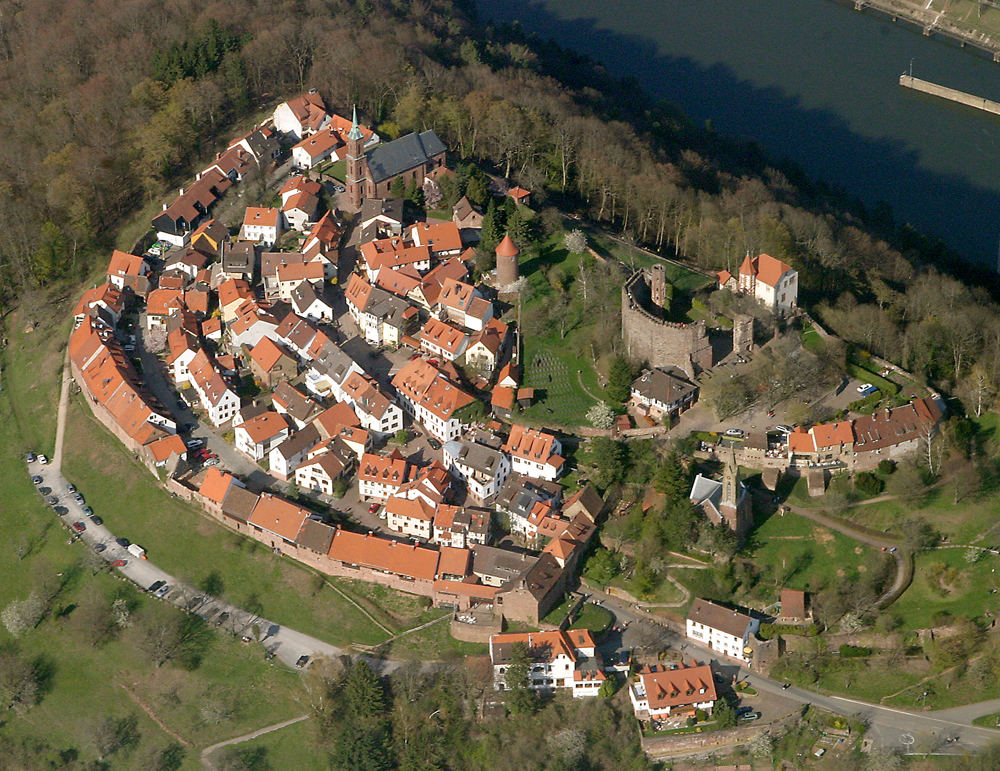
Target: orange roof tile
<point x="278" y="516"/>
<point x="215" y="485"/>
<point x="384" y="554"/>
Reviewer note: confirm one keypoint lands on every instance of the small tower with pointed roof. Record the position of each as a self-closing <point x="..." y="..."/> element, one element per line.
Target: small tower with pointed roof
<point x="507" y="259"/>
<point x="735" y="505"/>
<point x="356" y="164"/>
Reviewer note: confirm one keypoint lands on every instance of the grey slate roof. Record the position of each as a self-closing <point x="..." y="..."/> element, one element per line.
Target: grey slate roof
<point x="520" y="493"/>
<point x="392" y="158"/>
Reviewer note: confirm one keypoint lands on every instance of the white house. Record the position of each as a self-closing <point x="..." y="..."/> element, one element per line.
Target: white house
<point x="461" y="526"/>
<point x="770" y="281"/>
<point x="559" y="659"/>
<point x="377" y="412"/>
<point x="660" y="694"/>
<point x="307" y="303"/>
<point x="183" y="346"/>
<point x="261" y="225"/>
<point x="320" y="471"/>
<point x="218" y="400"/>
<point x="722" y="629"/>
<point x="534" y="453"/>
<point x="432" y="399"/>
<point x="380" y="477"/>
<point x="301" y="116"/>
<point x="441" y="339"/>
<point x="285" y="458"/>
<point x="484" y="469"/>
<point x="657" y="393"/>
<point x="462" y="304"/>
<point x="411" y="517"/>
<point x="259" y="435"/>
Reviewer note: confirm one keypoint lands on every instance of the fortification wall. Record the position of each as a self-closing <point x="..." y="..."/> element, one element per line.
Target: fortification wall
<point x="659" y="342"/>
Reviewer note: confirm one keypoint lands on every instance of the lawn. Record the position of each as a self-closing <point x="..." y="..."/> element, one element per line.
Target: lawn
<point x="791" y="551"/>
<point x="288" y="747"/>
<point x="190" y="546"/>
<point x="944" y="582"/>
<point x="868" y="679"/>
<point x="811" y="339"/>
<point x="683" y="279"/>
<point x="435" y="641"/>
<point x="560" y="368"/>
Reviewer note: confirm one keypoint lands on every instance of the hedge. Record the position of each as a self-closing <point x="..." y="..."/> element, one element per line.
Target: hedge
<point x="767" y="631"/>
<point x="854" y="651"/>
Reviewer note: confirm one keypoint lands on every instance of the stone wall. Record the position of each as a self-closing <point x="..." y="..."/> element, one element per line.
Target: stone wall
<point x="479" y="632"/>
<point x="661" y="343"/>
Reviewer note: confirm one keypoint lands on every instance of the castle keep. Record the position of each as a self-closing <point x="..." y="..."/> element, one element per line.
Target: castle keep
<point x="649" y="337"/>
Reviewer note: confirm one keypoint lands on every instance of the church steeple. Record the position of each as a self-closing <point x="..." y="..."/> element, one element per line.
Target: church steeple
<point x="356" y="166"/>
<point x="731" y="481"/>
<point x="355" y="132"/>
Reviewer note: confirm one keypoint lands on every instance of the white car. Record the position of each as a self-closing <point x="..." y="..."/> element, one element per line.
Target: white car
<point x="43" y="460"/>
<point x="866" y="388"/>
<point x="734" y="432"/>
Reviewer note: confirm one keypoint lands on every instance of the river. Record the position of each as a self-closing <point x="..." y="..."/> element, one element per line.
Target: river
<point x="813" y="81"/>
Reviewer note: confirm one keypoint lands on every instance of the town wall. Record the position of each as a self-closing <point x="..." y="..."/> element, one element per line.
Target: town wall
<point x="480" y="632"/>
<point x="659" y="342"/>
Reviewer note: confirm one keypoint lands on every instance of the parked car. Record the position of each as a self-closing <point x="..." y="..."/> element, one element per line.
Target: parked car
<point x="373" y="508"/>
<point x="866" y="389"/>
<point x="434" y="443"/>
<point x="156" y="585"/>
<point x="36" y="479"/>
<point x="29" y="457"/>
<point x="100" y="548"/>
<point x="43" y="460"/>
<point x="748" y="717"/>
<point x="162" y="591"/>
<point x="53" y="499"/>
<point x="96" y="519"/>
<point x="181" y="404"/>
<point x="87" y="510"/>
<point x="194" y="444"/>
<point x="734" y="432"/>
<point x="71" y="488"/>
<point x="783" y="428"/>
<point x="213" y="461"/>
<point x="79" y="527"/>
<point x="118" y="563"/>
<point x="79" y="499"/>
<point x="44" y="490"/>
<point x="302" y="661"/>
<point x="123" y="542"/>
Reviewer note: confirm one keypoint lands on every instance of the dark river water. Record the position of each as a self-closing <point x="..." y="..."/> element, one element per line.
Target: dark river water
<point x="813" y="81"/>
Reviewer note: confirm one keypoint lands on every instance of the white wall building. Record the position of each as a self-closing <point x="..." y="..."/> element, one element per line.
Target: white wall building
<point x="722" y="629"/>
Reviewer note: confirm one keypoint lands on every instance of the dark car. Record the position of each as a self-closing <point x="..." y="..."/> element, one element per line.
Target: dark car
<point x="118" y="563"/>
<point x="434" y="443"/>
<point x="79" y="527"/>
<point x="36" y="479"/>
<point x="87" y="510"/>
<point x="53" y="499"/>
<point x="156" y="585"/>
<point x="302" y="661"/>
<point x="71" y="488"/>
<point x="44" y="490"/>
<point x="96" y="519"/>
<point x="123" y="542"/>
<point x="99" y="548"/>
<point x="181" y="404"/>
<point x="30" y="457"/>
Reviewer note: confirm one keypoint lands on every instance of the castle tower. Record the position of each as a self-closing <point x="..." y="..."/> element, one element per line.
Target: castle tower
<point x="356" y="167"/>
<point x="735" y="506"/>
<point x="743" y="333"/>
<point x="507" y="267"/>
<point x="748" y="276"/>
<point x="658" y="285"/>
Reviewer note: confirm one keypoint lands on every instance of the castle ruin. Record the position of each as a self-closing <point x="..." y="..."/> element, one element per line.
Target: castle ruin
<point x="650" y="337"/>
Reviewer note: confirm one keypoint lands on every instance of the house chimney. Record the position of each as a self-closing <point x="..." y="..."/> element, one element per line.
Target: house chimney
<point x="182" y="191"/>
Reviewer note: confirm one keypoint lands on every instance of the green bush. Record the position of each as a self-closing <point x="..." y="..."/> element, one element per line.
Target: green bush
<point x="768" y="631"/>
<point x="868" y="484"/>
<point x="700" y="716"/>
<point x="886" y="467"/>
<point x="854" y="651"/>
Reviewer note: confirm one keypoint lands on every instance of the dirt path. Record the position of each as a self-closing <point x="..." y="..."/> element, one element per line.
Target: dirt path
<point x="152" y="716"/>
<point x="207" y="752"/>
<point x="61" y="415"/>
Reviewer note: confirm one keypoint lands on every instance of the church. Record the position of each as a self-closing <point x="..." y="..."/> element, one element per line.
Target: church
<point x="371" y="173"/>
<point x="726" y="502"/>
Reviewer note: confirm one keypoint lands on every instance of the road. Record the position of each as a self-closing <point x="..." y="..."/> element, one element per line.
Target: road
<point x="285" y="644"/>
<point x="889" y="727"/>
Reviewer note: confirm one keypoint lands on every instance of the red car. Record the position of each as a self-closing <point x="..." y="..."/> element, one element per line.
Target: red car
<point x="118" y="563"/>
<point x="373" y="508"/>
<point x="79" y="527"/>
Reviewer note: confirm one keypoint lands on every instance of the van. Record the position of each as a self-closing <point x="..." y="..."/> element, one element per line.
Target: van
<point x="137" y="551"/>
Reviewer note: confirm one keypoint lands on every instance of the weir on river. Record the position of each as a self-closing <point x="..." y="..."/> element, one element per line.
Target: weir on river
<point x="951" y="94"/>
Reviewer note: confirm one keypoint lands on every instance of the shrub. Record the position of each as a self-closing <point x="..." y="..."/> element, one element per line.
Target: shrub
<point x="854" y="651"/>
<point x="886" y="467"/>
<point x="700" y="716"/>
<point x="868" y="484"/>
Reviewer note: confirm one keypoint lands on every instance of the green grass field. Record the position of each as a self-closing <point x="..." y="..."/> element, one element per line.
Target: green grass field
<point x="944" y="582"/>
<point x="190" y="546"/>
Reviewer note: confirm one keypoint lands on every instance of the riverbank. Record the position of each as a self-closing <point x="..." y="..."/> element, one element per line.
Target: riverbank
<point x="934" y="22"/>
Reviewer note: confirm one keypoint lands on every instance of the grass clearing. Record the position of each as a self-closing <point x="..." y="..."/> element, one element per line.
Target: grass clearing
<point x="945" y="583"/>
<point x="435" y="638"/>
<point x="190" y="546"/>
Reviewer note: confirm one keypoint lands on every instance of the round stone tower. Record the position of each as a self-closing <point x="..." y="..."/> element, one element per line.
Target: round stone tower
<point x="507" y="270"/>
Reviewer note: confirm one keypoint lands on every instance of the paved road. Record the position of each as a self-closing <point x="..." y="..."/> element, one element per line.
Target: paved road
<point x="889" y="727"/>
<point x="286" y="644"/>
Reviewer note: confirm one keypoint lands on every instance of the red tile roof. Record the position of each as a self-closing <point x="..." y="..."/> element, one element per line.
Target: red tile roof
<point x="215" y="485"/>
<point x="384" y="554"/>
<point x="678" y="687"/>
<point x="278" y="516"/>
